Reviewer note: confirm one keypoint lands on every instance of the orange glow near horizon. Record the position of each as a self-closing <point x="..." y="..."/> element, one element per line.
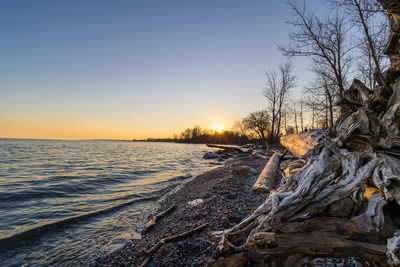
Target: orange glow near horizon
<point x="39" y="126"/>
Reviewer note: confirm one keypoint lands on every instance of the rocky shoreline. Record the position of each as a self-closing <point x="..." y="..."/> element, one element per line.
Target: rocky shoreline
<point x="224" y="198"/>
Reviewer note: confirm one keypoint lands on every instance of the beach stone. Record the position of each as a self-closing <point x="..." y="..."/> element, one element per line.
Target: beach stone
<point x="195" y="202"/>
<point x="243" y="170"/>
<point x="211" y="155"/>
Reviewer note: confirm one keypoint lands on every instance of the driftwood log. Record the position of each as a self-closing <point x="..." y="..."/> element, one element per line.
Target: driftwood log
<point x="344" y="202"/>
<point x="266" y="181"/>
<point x="235" y="148"/>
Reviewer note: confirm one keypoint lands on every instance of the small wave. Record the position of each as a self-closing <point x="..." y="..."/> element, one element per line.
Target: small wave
<point x="29" y="195"/>
<point x="180" y="178"/>
<point x="183" y="161"/>
<point x="143" y="172"/>
<point x="175" y="179"/>
<point x="120" y="241"/>
<point x="34" y="234"/>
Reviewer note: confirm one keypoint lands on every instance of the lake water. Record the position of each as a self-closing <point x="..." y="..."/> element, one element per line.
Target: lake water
<point x="67" y="203"/>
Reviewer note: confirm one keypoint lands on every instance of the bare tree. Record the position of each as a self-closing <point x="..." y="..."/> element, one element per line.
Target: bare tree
<point x="295" y="119"/>
<point x="239" y="127"/>
<point x="322" y="39"/>
<point x="313" y="104"/>
<point x="196" y="131"/>
<point x="285" y="117"/>
<point x="322" y="95"/>
<point x="301" y="115"/>
<point x="258" y="122"/>
<point x="369" y="19"/>
<point x="278" y="86"/>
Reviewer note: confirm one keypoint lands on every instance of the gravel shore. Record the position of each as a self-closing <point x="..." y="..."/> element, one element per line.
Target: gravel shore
<point x="227" y="199"/>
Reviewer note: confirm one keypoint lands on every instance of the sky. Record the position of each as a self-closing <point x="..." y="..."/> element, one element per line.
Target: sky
<point x="72" y="69"/>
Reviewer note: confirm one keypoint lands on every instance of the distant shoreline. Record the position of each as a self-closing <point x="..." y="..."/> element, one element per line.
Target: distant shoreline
<point x="120" y="140"/>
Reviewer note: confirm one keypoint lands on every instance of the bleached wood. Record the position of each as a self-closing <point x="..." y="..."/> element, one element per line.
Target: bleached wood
<point x="236" y="148"/>
<point x="266" y="181"/>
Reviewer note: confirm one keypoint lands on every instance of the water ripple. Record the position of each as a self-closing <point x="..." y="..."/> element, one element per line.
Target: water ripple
<point x="61" y="202"/>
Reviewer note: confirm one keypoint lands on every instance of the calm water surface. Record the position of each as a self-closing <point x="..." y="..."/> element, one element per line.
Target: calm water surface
<point x="67" y="203"/>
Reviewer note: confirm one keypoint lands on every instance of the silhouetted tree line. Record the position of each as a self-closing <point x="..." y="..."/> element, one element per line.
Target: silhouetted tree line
<point x="197" y="135"/>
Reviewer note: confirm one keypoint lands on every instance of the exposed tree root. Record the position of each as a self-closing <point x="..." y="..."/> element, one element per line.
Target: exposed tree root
<point x="337" y="204"/>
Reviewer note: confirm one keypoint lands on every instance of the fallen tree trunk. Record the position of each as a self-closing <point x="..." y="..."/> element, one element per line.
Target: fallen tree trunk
<point x="344" y="202"/>
<point x="267" y="179"/>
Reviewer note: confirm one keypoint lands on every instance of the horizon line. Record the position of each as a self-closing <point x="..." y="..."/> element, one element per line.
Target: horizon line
<point x="67" y="139"/>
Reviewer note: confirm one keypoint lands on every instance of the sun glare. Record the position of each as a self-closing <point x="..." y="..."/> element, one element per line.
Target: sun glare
<point x="218" y="128"/>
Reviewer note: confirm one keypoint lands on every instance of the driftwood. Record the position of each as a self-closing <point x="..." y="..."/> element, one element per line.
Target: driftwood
<point x="258" y="154"/>
<point x="293" y="167"/>
<point x="344" y="202"/>
<point x="150" y="224"/>
<point x="149" y="253"/>
<point x="235" y="148"/>
<point x="266" y="181"/>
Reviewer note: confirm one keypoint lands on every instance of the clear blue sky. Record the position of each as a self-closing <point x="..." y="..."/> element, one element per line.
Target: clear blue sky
<point x="135" y="69"/>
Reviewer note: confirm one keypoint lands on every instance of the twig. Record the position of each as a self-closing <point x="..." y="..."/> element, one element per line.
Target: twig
<point x="284" y="153"/>
<point x="170" y="239"/>
<point x="157" y="217"/>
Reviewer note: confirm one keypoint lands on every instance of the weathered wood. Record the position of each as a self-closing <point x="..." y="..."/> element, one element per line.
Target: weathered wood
<point x="292" y="166"/>
<point x="344" y="202"/>
<point x="258" y="155"/>
<point x="267" y="179"/>
<point x="238" y="149"/>
<point x="150" y="224"/>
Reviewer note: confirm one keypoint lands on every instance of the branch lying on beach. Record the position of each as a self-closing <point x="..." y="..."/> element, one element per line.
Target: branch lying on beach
<point x="149" y="253"/>
<point x="238" y="149"/>
<point x="267" y="179"/>
<point x="157" y="217"/>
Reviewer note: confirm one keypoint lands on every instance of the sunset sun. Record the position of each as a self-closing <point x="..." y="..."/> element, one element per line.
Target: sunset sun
<point x="218" y="128"/>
